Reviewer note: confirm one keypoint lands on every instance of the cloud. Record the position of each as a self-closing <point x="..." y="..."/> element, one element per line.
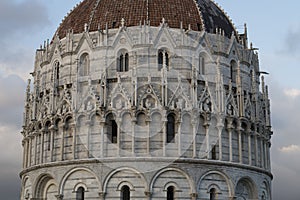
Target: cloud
<point x="290" y="149"/>
<point x="292" y="92"/>
<point x="17" y="18"/>
<point x="292" y="41"/>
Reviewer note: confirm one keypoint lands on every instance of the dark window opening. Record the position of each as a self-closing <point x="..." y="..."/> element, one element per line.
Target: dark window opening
<point x="123" y="63"/>
<point x="170" y="193"/>
<point x="125" y="193"/>
<point x="170" y="129"/>
<point x="233" y="71"/>
<point x="161" y="56"/>
<point x="202" y="65"/>
<point x="212" y="194"/>
<point x="114" y="132"/>
<point x="80" y="193"/>
<point x="214" y="153"/>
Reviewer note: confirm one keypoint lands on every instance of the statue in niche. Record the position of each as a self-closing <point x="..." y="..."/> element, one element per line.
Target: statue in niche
<point x="119" y="104"/>
<point x="248" y="112"/>
<point x="64" y="109"/>
<point x="89" y="106"/>
<point x="230" y="110"/>
<point x="179" y="104"/>
<point x="148" y="103"/>
<point x="206" y="106"/>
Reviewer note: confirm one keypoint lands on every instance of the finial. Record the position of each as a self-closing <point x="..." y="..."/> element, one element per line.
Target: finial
<point x="163" y="20"/>
<point x="85" y="27"/>
<point x="123" y="22"/>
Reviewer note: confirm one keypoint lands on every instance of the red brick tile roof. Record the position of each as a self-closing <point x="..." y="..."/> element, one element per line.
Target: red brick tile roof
<point x="98" y="13"/>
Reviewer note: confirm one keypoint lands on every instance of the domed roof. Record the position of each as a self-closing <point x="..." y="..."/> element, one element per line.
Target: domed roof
<point x="199" y="14"/>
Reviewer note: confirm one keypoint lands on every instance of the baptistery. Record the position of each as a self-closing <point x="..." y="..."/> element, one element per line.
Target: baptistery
<point x="146" y="99"/>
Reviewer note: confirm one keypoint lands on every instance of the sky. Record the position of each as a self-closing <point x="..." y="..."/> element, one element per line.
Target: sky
<point x="273" y="27"/>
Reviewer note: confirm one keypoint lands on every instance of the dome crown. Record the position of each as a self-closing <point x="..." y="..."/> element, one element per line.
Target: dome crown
<point x="198" y="15"/>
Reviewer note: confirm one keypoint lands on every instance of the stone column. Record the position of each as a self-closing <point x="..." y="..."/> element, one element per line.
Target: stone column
<point x="220" y="127"/>
<point x="206" y="126"/>
<point x="165" y="121"/>
<point x="29" y="151"/>
<point x="179" y="139"/>
<point x="249" y="148"/>
<point x="62" y="142"/>
<point x="35" y="149"/>
<point x="88" y="125"/>
<point x="133" y="124"/>
<point x="194" y="139"/>
<point x="42" y="146"/>
<point x="102" y="124"/>
<point x="229" y="129"/>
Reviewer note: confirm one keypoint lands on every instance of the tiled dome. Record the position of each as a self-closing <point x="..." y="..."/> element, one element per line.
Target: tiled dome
<point x="199" y="14"/>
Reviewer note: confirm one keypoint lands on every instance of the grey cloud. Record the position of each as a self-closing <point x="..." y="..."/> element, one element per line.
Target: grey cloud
<point x="285" y="121"/>
<point x="292" y="42"/>
<point x="24" y="17"/>
<point x="12" y="90"/>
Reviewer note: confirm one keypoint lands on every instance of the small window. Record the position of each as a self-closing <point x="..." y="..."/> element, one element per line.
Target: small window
<point x="56" y="71"/>
<point x="233" y="71"/>
<point x="123" y="62"/>
<point x="80" y="193"/>
<point x="201" y="65"/>
<point x="170" y="193"/>
<point x="213" y="194"/>
<point x="125" y="193"/>
<point x="163" y="56"/>
<point x="214" y="153"/>
<point x="170" y="129"/>
<point x="84" y="65"/>
<point x="112" y="129"/>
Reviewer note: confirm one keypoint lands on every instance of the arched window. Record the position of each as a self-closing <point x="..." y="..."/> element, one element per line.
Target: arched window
<point x="80" y="193"/>
<point x="233" y="70"/>
<point x="170" y="193"/>
<point x="84" y="65"/>
<point x="201" y="65"/>
<point x="163" y="56"/>
<point x="170" y="128"/>
<point x="214" y="153"/>
<point x="112" y="129"/>
<point x="212" y="194"/>
<point x="125" y="193"/>
<point x="123" y="62"/>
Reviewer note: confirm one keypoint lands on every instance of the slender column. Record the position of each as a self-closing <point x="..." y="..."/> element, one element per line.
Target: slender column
<point x="148" y="137"/>
<point x="29" y="151"/>
<point x="256" y="149"/>
<point x="24" y="144"/>
<point x="102" y="124"/>
<point x="119" y="137"/>
<point x="220" y="127"/>
<point x="35" y="150"/>
<point x="230" y="144"/>
<point x="164" y="137"/>
<point x="133" y="123"/>
<point x="207" y="141"/>
<point x="265" y="154"/>
<point x="179" y="139"/>
<point x="88" y="124"/>
<point x="249" y="149"/>
<point x="261" y="153"/>
<point x="240" y="147"/>
<point x="41" y="147"/>
<point x="74" y="141"/>
<point x="51" y="144"/>
<point x="194" y="139"/>
<point x="62" y="143"/>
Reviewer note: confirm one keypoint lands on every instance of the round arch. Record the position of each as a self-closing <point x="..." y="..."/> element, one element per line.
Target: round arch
<point x="111" y="174"/>
<point x="217" y="186"/>
<point x="159" y="173"/>
<point x="72" y="171"/>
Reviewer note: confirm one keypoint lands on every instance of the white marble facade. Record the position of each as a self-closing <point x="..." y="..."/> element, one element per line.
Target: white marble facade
<point x="156" y="109"/>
